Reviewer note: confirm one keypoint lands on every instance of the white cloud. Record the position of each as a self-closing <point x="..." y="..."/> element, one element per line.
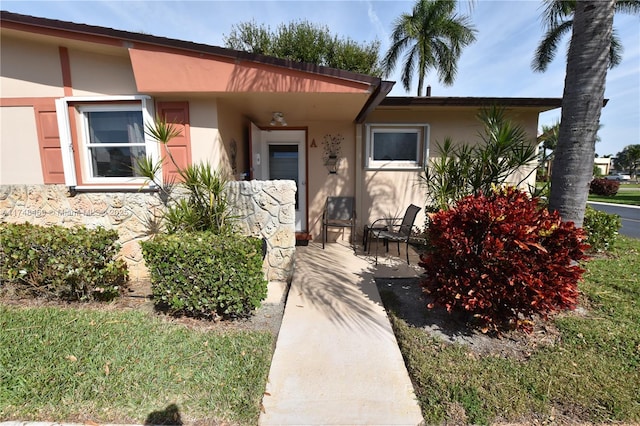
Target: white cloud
<point x="377" y="25"/>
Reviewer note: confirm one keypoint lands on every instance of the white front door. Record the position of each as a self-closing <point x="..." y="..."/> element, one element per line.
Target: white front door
<point x="280" y="154"/>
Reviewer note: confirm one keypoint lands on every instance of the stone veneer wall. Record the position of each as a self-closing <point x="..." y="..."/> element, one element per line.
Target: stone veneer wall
<point x="264" y="209"/>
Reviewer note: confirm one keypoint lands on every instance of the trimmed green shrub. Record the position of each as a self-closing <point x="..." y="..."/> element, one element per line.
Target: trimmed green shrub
<point x="503" y="259"/>
<point x="604" y="187"/>
<point x="601" y="228"/>
<point x="206" y="275"/>
<point x="61" y="263"/>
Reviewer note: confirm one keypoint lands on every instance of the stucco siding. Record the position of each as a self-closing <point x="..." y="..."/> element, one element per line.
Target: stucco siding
<point x="233" y="126"/>
<point x="459" y="124"/>
<point x="389" y="192"/>
<point x="205" y="137"/>
<point x="19" y="152"/>
<point x="163" y="72"/>
<point x="321" y="184"/>
<point x="99" y="74"/>
<point x="29" y="69"/>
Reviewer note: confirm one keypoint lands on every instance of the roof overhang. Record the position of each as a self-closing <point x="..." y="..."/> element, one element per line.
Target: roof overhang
<point x="375" y="100"/>
<point x="170" y="67"/>
<point x="541" y="104"/>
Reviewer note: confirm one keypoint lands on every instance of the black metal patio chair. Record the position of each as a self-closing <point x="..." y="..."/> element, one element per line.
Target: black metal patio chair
<point x="393" y="229"/>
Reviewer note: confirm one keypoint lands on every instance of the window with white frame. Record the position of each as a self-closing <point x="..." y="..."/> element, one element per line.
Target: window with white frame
<point x="111" y="139"/>
<point x="396" y="146"/>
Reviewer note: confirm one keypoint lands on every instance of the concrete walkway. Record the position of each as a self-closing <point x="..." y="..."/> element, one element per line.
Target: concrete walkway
<point x="337" y="361"/>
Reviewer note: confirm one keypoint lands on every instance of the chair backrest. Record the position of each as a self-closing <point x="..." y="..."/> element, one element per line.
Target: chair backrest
<point x="408" y="219"/>
<point x="340" y="208"/>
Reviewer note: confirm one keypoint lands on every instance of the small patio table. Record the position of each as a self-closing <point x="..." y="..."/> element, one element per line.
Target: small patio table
<point x="366" y="235"/>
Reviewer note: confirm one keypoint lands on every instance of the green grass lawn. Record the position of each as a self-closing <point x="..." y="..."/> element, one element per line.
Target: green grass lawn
<point x="105" y="366"/>
<point x="591" y="375"/>
<point x="629" y="197"/>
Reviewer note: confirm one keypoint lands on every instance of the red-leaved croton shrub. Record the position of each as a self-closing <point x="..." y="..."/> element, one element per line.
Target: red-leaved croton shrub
<point x="604" y="187"/>
<point x="503" y="258"/>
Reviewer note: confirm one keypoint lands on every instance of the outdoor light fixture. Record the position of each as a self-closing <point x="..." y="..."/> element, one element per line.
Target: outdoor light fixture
<point x="278" y="119"/>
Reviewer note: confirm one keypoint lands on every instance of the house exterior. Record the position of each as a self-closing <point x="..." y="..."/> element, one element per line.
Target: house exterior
<point x="603" y="164"/>
<point x="74" y="101"/>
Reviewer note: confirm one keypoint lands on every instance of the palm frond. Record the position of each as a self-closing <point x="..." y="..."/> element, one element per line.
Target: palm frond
<point x="409" y="64"/>
<point x="557" y="18"/>
<point x="557" y="11"/>
<point x="631" y="7"/>
<point x="615" y="51"/>
<point x="548" y="47"/>
<point x="161" y="131"/>
<point x="429" y="23"/>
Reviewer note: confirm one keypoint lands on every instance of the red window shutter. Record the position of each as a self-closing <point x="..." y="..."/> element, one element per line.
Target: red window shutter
<point x="49" y="144"/>
<point x="180" y="146"/>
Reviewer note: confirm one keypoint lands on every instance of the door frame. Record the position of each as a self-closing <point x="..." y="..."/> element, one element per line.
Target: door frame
<point x="261" y="138"/>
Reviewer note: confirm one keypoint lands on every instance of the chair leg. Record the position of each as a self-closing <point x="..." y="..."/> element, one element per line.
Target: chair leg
<point x="407" y="252"/>
<point x="364" y="238"/>
<point x="377" y="244"/>
<point x="323" y="231"/>
<point x="353" y="238"/>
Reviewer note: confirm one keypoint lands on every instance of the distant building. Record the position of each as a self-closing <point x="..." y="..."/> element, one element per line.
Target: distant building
<point x="604" y="164"/>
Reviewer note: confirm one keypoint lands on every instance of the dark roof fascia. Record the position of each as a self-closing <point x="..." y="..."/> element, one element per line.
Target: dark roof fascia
<point x="374" y="100"/>
<point x="235" y="55"/>
<point x="405" y="101"/>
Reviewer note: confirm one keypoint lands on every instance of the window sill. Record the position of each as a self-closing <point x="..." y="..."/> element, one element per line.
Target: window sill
<point x="394" y="168"/>
<point x="113" y="188"/>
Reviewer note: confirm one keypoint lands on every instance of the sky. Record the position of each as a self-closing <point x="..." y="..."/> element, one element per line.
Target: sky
<point x="497" y="64"/>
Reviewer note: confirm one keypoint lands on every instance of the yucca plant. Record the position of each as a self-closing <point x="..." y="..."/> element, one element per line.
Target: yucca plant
<point x="463" y="169"/>
<point x="205" y="208"/>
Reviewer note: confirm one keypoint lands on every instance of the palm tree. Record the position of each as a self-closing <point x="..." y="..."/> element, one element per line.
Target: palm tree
<point x="433" y="36"/>
<point x="549" y="141"/>
<point x="587" y="63"/>
<point x="558" y="20"/>
<point x="592" y="51"/>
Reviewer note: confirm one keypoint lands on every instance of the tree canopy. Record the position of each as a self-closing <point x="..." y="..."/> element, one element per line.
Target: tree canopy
<point x="303" y="41"/>
<point x="629" y="158"/>
<point x="558" y="21"/>
<point x="433" y="36"/>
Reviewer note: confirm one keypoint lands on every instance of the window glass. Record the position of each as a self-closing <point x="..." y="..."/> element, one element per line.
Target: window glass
<point x="283" y="164"/>
<point x="115" y="162"/>
<point x="115" y="142"/>
<point x="395" y="146"/>
<point x="115" y="127"/>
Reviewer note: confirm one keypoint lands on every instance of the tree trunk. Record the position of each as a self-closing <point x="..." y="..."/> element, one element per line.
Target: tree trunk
<point x="587" y="65"/>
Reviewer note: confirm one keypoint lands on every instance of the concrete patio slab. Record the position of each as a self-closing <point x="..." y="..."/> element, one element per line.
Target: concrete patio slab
<point x="336" y="359"/>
